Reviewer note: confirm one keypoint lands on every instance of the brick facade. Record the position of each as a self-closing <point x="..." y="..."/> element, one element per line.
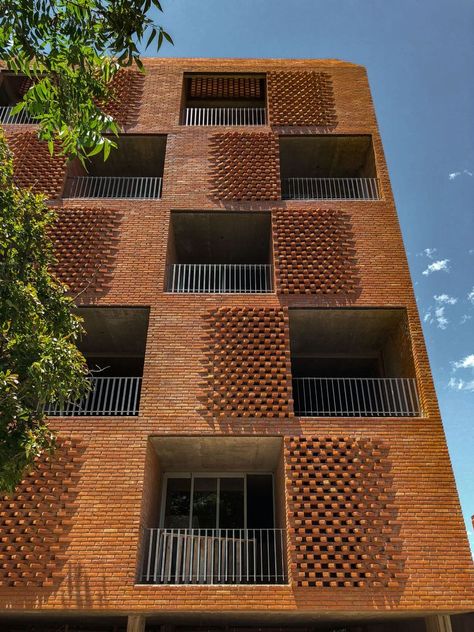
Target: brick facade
<point x="314" y="252"/>
<point x="34" y="166"/>
<point x="392" y="541"/>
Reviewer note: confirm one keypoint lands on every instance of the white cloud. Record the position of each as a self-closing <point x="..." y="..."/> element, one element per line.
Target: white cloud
<point x="456" y="174"/>
<point x="458" y="384"/>
<point x="465" y="318"/>
<point x="436" y="266"/>
<point x="436" y="314"/>
<point x="444" y="298"/>
<point x="427" y="252"/>
<point x="470" y="296"/>
<point x="462" y="384"/>
<point x="465" y="363"/>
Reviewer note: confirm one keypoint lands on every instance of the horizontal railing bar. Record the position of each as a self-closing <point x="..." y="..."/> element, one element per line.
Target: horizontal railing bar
<point x="21" y="118"/>
<point x="107" y="396"/>
<point x="117" y="187"/>
<point x="219" y="116"/>
<point x="356" y="397"/>
<point x="214" y="556"/>
<point x="330" y="189"/>
<point x="219" y="278"/>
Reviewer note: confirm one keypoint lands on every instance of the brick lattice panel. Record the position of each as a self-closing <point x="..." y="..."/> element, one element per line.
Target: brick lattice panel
<point x="314" y="252"/>
<point x="125" y="97"/>
<point x="85" y="243"/>
<point x="248" y="363"/>
<point x="245" y="166"/>
<point x="225" y="88"/>
<point x="342" y="518"/>
<point x="34" y="166"/>
<point x="301" y="98"/>
<point x="35" y="520"/>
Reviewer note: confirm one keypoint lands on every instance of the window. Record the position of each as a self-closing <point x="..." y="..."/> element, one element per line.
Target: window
<point x="217" y="501"/>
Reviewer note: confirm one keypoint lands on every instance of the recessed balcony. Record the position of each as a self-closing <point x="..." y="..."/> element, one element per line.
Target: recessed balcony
<point x="114" y="347"/>
<point x="224" y="100"/>
<point x="352" y="363"/>
<point x="12" y="89"/>
<point x="132" y="171"/>
<point x="221" y="511"/>
<point x="219" y="253"/>
<point x="328" y="168"/>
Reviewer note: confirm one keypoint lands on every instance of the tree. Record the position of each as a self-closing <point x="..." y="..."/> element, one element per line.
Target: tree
<point x="39" y="360"/>
<point x="72" y="49"/>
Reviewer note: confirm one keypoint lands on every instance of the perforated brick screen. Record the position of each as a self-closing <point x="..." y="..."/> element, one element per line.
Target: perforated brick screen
<point x="85" y="242"/>
<point x="301" y="98"/>
<point x="35" y="520"/>
<point x="248" y="362"/>
<point x="342" y="518"/>
<point x="125" y="96"/>
<point x="34" y="166"/>
<point x="314" y="252"/>
<point x="225" y="87"/>
<point x="245" y="166"/>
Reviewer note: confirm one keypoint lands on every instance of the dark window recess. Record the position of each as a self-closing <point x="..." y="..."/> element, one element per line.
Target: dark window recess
<point x="224" y="100"/>
<point x="114" y="348"/>
<point x="219" y="253"/>
<point x="352" y="363"/>
<point x="133" y="170"/>
<point x="328" y="168"/>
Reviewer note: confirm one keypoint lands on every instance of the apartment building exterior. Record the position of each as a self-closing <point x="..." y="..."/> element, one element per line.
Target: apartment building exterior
<point x="262" y="447"/>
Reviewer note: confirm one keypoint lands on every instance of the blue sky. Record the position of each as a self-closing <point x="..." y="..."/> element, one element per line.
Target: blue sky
<point x="420" y="60"/>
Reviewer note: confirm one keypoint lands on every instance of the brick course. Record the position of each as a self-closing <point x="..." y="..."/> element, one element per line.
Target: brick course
<point x="419" y="507"/>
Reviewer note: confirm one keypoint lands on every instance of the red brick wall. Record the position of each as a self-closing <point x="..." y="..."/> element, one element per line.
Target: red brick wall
<point x="248" y="363"/>
<point x="245" y="166"/>
<point x="103" y="539"/>
<point x="34" y="166"/>
<point x="314" y="252"/>
<point x="343" y="520"/>
<point x="301" y="98"/>
<point x="126" y="91"/>
<point x="86" y="243"/>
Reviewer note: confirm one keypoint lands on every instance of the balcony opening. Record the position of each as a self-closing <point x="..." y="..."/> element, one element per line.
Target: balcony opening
<point x="221" y="518"/>
<point x="133" y="171"/>
<point x="114" y="347"/>
<point x="12" y="89"/>
<point x="352" y="363"/>
<point x="219" y="252"/>
<point x="328" y="168"/>
<point x="220" y="99"/>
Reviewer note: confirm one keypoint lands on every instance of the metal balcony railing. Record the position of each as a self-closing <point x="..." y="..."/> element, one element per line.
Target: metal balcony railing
<point x="224" y="116"/>
<point x="108" y="396"/>
<point x="355" y="397"/>
<point x="7" y="118"/>
<point x="219" y="278"/>
<point x="128" y="187"/>
<point x="330" y="189"/>
<point x="214" y="556"/>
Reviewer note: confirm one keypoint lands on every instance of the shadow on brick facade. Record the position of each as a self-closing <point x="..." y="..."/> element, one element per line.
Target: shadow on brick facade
<point x="86" y="243"/>
<point x="37" y="518"/>
<point x="343" y="518"/>
<point x="246" y="364"/>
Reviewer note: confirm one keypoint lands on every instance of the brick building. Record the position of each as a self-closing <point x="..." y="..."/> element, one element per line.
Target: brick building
<point x="262" y="448"/>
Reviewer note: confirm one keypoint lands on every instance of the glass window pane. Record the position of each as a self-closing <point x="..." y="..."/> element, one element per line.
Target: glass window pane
<point x="231" y="506"/>
<point x="178" y="501"/>
<point x="204" y="503"/>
